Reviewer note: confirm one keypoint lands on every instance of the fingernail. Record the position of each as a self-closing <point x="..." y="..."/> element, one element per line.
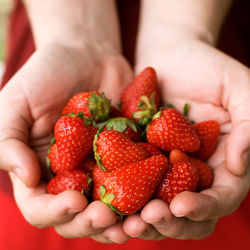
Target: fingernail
<point x="159" y="223"/>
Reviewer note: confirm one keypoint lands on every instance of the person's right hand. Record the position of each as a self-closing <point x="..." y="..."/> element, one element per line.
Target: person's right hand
<point x="30" y="104"/>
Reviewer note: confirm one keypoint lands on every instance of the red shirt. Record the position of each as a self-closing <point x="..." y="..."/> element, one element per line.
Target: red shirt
<point x="231" y="232"/>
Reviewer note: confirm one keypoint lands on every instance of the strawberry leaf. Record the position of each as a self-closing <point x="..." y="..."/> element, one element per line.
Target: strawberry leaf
<point x="147" y="107"/>
<point x="186" y="109"/>
<point x="101" y="124"/>
<point x="97" y="156"/>
<point x="102" y="191"/>
<point x="107" y="198"/>
<point x="157" y="115"/>
<point x="119" y="105"/>
<point x="53" y="141"/>
<point x="132" y="125"/>
<point x="48" y="161"/>
<point x="99" y="106"/>
<point x="120" y="124"/>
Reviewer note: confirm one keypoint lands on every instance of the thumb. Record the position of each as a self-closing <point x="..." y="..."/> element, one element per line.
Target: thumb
<point x="238" y="144"/>
<point x="238" y="148"/>
<point x="15" y="155"/>
<point x="116" y="75"/>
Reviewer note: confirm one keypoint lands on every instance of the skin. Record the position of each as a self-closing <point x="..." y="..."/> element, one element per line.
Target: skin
<point x="63" y="66"/>
<point x="191" y="70"/>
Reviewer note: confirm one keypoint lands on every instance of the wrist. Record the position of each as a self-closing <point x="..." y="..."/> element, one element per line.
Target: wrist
<point x="75" y="23"/>
<point x="168" y="22"/>
<point x="168" y="37"/>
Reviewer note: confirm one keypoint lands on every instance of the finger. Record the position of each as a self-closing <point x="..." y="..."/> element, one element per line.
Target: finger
<point x="93" y="220"/>
<point x="205" y="206"/>
<point x="115" y="78"/>
<point x="16" y="157"/>
<point x="15" y="120"/>
<point x="101" y="238"/>
<point x="237" y="82"/>
<point x="158" y="214"/>
<point x="238" y="151"/>
<point x="214" y="202"/>
<point x="135" y="227"/>
<point x="116" y="234"/>
<point x="41" y="209"/>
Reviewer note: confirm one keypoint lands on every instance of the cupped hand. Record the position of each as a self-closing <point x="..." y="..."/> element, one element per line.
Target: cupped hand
<point x="216" y="87"/>
<point x="30" y="104"/>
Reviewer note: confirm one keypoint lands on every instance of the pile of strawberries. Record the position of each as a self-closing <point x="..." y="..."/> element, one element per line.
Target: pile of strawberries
<point x="125" y="157"/>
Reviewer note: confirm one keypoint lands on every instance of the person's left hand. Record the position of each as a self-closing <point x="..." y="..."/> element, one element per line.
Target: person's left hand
<point x="217" y="87"/>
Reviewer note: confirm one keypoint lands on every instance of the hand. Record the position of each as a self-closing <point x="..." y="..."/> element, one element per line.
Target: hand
<point x="217" y="87"/>
<point x="30" y="104"/>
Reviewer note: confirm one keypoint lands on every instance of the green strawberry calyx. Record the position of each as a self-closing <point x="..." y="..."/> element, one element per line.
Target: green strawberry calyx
<point x="52" y="142"/>
<point x="87" y="191"/>
<point x="108" y="198"/>
<point x="99" y="106"/>
<point x="157" y="115"/>
<point x="119" y="124"/>
<point x="147" y="107"/>
<point x="97" y="156"/>
<point x="87" y="120"/>
<point x="186" y="109"/>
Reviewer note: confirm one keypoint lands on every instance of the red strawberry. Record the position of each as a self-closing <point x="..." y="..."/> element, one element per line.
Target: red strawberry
<point x="98" y="178"/>
<point x="208" y="132"/>
<point x="113" y="149"/>
<point x="74" y="139"/>
<point x="87" y="165"/>
<point x="124" y="125"/>
<point x="91" y="104"/>
<point x="69" y="180"/>
<point x="170" y="130"/>
<point x="180" y="177"/>
<point x="54" y="159"/>
<point x="204" y="171"/>
<point x="141" y="98"/>
<point x="128" y="188"/>
<point x="150" y="149"/>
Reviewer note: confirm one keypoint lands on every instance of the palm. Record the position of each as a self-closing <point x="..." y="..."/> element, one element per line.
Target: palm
<point x="49" y="79"/>
<point x="195" y="73"/>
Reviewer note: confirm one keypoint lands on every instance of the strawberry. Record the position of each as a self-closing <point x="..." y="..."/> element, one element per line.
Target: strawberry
<point x="91" y="104"/>
<point x="113" y="149"/>
<point x="87" y="165"/>
<point x="74" y="138"/>
<point x="150" y="149"/>
<point x="98" y="178"/>
<point x="180" y="177"/>
<point x="53" y="159"/>
<point x="208" y="132"/>
<point x="170" y="130"/>
<point x="141" y="98"/>
<point x="127" y="189"/>
<point x="204" y="171"/>
<point x="69" y="180"/>
<point x="124" y="125"/>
